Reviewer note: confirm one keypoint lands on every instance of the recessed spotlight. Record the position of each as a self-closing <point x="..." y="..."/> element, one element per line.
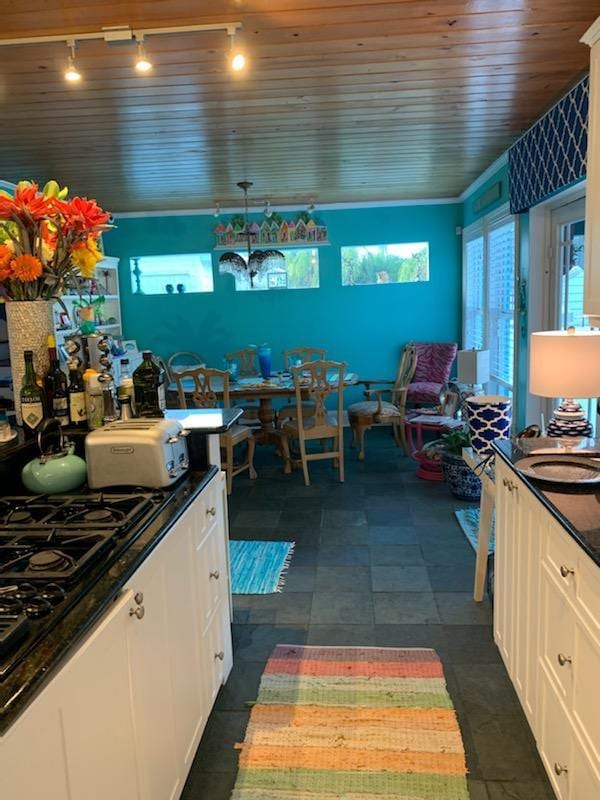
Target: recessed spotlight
<point x="72" y="74"/>
<point x="142" y="63"/>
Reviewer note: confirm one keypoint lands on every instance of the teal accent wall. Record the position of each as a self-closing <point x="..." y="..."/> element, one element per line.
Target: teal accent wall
<point x="366" y="326"/>
<point x="469" y="213"/>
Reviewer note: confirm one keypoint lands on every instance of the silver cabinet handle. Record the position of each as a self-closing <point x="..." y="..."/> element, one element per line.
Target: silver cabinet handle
<point x="137" y="612"/>
<point x="215" y="574"/>
<point x="212" y="511"/>
<point x="562" y="659"/>
<point x="559" y="768"/>
<point x="220" y="655"/>
<point x="566" y="571"/>
<point x="139" y="598"/>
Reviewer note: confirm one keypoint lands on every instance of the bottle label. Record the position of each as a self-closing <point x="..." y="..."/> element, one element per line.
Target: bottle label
<point x="162" y="399"/>
<point x="33" y="413"/>
<point x="60" y="409"/>
<point x="77" y="410"/>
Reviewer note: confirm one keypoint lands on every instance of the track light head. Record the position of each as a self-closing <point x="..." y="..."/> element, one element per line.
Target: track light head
<point x="237" y="58"/>
<point x="72" y="74"/>
<point x="267" y="210"/>
<point x="217" y="211"/>
<point x="142" y="62"/>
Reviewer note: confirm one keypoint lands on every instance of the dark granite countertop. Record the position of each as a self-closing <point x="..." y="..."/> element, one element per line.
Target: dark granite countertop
<point x="577" y="511"/>
<point x="205" y="420"/>
<point x="105" y="581"/>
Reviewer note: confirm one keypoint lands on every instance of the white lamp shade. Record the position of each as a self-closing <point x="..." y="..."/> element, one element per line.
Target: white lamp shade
<point x="565" y="364"/>
<point x="473" y="366"/>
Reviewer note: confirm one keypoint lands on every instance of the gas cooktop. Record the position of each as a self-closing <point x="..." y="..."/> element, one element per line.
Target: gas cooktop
<point x="49" y="549"/>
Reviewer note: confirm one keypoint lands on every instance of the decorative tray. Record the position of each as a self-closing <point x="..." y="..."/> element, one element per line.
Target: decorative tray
<point x="564" y="471"/>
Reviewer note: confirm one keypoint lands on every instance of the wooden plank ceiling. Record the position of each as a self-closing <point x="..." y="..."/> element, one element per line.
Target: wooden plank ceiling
<point x="344" y="100"/>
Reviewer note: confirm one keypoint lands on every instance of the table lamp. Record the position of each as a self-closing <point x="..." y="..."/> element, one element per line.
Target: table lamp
<point x="473" y="368"/>
<point x="566" y="364"/>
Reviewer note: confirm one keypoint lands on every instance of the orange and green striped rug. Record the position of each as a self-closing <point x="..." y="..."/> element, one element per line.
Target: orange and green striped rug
<point x="352" y="723"/>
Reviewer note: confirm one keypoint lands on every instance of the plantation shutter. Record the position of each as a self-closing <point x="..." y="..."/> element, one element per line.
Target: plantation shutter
<point x="474" y="293"/>
<point x="501" y="304"/>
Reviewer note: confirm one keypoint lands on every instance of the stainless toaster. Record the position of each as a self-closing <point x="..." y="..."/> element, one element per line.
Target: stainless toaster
<point x="146" y="452"/>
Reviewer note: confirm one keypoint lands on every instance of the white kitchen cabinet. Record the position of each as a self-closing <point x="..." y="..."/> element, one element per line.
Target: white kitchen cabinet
<point x="546" y="625"/>
<point x="591" y="304"/>
<point x="122" y="719"/>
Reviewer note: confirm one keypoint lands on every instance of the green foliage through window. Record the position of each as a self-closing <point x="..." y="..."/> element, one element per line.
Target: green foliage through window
<point x="301" y="271"/>
<point x="385" y="263"/>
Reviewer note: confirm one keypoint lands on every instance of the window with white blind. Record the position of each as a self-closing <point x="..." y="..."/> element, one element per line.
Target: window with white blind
<point x="489" y="267"/>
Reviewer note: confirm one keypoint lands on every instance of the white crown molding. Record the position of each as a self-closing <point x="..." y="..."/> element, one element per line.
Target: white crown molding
<point x="592" y="35"/>
<point x="207" y="212"/>
<point x="485" y="175"/>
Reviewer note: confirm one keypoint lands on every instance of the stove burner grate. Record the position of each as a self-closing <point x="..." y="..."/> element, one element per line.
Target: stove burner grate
<point x="50" y="560"/>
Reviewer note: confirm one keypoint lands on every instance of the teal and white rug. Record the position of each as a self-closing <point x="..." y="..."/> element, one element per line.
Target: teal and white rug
<point x="468" y="519"/>
<point x="258" y="567"/>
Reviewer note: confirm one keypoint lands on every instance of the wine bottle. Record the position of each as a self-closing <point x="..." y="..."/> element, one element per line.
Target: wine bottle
<point x="149" y="390"/>
<point x="55" y="386"/>
<point x="76" y="390"/>
<point x="32" y="398"/>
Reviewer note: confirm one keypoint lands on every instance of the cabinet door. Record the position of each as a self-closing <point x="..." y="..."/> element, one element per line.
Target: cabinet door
<point x="184" y="640"/>
<point x="503" y="576"/>
<point x="94" y="697"/>
<point x="149" y="661"/>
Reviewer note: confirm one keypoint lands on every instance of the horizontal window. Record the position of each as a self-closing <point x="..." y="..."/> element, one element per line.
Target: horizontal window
<point x="299" y="271"/>
<point x="385" y="263"/>
<point x="175" y="274"/>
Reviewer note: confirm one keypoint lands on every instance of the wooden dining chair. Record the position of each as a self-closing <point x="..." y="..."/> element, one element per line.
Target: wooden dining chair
<point x="247" y="368"/>
<point x="371" y="412"/>
<point x="184" y="359"/>
<point x="318" y="380"/>
<point x="291" y="359"/>
<point x="209" y="384"/>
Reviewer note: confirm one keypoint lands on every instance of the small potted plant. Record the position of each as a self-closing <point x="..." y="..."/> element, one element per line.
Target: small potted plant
<point x="461" y="480"/>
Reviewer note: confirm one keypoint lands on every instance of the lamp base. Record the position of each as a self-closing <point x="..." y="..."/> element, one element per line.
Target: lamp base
<point x="569" y="420"/>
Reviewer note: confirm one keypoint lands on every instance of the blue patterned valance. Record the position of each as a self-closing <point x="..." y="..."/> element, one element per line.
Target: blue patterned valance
<point x="552" y="154"/>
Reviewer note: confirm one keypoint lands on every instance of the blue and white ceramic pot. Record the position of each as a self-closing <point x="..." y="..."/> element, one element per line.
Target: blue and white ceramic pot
<point x="461" y="480"/>
<point x="489" y="418"/>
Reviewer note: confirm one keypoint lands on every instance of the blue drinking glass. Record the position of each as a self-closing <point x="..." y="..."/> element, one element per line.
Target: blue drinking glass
<point x="264" y="361"/>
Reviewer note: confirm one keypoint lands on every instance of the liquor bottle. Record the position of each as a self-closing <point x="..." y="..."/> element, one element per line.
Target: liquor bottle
<point x="149" y="388"/>
<point x="32" y="398"/>
<point x="55" y="386"/>
<point x="125" y="386"/>
<point x="77" y="412"/>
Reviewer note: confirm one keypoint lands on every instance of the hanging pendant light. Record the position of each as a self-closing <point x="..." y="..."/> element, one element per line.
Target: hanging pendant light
<point x="257" y="261"/>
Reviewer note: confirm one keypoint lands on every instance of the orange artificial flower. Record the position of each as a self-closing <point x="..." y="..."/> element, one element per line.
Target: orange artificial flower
<point x="26" y="268"/>
<point x="82" y="216"/>
<point x="6" y="255"/>
<point x="27" y="204"/>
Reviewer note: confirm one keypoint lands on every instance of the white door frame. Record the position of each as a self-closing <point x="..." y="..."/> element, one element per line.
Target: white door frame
<point x="542" y="245"/>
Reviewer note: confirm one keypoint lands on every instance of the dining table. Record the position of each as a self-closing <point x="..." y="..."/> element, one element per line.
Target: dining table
<point x="255" y="387"/>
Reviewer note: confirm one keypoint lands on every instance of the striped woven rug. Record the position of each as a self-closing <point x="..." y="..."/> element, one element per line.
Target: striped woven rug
<point x="352" y="723"/>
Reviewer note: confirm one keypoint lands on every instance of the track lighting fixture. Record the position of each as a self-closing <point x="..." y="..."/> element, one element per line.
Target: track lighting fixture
<point x="267" y="210"/>
<point x="72" y="74"/>
<point x="217" y="211"/>
<point x="237" y="59"/>
<point x="311" y="207"/>
<point x="142" y="62"/>
<point x="123" y="34"/>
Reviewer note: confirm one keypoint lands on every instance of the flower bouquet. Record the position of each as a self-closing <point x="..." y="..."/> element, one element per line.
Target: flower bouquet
<point x="48" y="246"/>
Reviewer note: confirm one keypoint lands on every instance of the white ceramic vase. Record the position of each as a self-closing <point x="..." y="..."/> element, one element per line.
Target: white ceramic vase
<point x="29" y="324"/>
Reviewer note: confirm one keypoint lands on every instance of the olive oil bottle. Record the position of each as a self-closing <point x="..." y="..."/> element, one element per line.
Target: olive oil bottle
<point x="148" y="387"/>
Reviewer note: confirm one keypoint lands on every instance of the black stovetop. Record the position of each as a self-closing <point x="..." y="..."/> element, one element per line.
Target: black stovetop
<point x="52" y="549"/>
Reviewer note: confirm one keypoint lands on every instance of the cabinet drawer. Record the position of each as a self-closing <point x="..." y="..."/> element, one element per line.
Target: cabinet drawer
<point x="554" y="739"/>
<point x="585" y="706"/>
<point x="218" y="651"/>
<point x="558" y="620"/>
<point x="211" y="576"/>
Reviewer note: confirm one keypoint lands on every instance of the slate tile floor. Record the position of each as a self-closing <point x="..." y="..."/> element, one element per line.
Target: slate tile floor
<point x="379" y="560"/>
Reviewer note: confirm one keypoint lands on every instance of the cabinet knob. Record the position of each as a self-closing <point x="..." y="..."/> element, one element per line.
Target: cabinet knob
<point x="562" y="659"/>
<point x="212" y="511"/>
<point x="137" y="612"/>
<point x="566" y="571"/>
<point x="220" y="655"/>
<point x="559" y="768"/>
<point x="215" y="574"/>
<point x="139" y="598"/>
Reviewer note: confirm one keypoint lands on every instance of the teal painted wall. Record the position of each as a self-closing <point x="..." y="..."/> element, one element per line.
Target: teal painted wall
<point x="469" y="213"/>
<point x="366" y="326"/>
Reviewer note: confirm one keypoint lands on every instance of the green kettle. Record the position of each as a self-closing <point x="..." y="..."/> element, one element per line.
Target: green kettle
<point x="56" y="470"/>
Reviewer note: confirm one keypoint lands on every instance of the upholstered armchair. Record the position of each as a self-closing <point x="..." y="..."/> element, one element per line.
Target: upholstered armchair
<point x="434" y="362"/>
